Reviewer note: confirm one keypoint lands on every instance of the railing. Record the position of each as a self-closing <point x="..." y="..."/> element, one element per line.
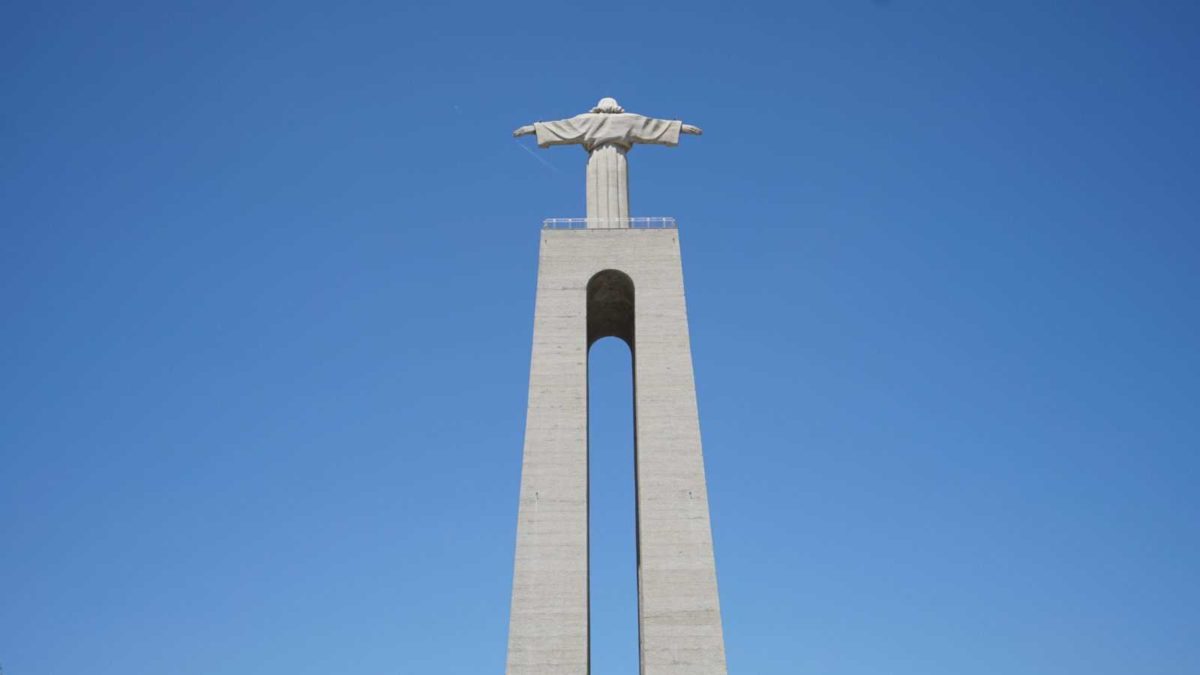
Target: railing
<point x="660" y="223"/>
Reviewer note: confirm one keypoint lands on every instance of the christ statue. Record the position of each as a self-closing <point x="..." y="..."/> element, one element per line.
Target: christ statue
<point x="607" y="133"/>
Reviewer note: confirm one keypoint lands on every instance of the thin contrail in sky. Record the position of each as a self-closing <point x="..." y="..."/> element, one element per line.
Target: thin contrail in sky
<point x="537" y="157"/>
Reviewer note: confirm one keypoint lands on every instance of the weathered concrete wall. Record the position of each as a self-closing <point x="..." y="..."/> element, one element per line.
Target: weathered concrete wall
<point x="679" y="613"/>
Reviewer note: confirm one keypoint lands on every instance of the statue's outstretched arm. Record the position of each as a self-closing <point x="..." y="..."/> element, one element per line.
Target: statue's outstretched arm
<point x="525" y="130"/>
<point x="689" y="129"/>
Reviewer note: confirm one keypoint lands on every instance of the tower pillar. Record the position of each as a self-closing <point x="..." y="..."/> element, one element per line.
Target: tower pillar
<point x="678" y="607"/>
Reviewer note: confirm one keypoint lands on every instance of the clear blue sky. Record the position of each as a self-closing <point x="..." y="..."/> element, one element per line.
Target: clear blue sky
<point x="267" y="275"/>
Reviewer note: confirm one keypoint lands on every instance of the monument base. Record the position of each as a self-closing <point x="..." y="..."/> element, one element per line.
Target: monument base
<point x="635" y="279"/>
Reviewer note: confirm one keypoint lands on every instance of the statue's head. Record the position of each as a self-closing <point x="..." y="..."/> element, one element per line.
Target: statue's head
<point x="608" y="105"/>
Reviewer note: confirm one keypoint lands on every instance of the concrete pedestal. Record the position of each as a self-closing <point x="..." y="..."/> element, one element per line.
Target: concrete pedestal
<point x="629" y="283"/>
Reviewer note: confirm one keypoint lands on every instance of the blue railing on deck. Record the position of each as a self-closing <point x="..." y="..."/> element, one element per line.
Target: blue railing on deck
<point x="658" y="223"/>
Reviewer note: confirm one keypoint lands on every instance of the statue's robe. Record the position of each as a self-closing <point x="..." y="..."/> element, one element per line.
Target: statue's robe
<point x="607" y="137"/>
<point x="592" y="130"/>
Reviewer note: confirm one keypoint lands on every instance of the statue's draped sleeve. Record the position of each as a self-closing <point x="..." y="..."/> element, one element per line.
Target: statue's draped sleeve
<point x="658" y="132"/>
<point x="562" y="132"/>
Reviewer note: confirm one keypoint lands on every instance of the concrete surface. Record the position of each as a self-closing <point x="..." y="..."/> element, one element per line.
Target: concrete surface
<point x="679" y="612"/>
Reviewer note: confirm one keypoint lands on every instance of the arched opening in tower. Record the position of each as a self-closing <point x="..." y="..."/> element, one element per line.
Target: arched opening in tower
<point x="610" y="306"/>
<point x="612" y="495"/>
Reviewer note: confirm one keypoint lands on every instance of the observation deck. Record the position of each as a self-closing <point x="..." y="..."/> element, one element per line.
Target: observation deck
<point x="652" y="223"/>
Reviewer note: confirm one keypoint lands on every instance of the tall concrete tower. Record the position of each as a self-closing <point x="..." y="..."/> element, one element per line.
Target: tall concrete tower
<point x="600" y="276"/>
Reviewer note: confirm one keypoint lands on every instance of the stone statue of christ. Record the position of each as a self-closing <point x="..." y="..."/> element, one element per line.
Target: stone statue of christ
<point x="607" y="133"/>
